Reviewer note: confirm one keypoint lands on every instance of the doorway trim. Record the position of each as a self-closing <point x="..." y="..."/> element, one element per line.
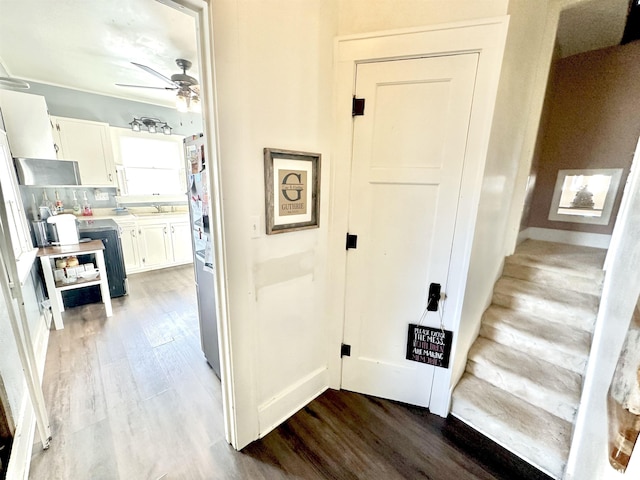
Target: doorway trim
<point x="486" y="37"/>
<point x="202" y="12"/>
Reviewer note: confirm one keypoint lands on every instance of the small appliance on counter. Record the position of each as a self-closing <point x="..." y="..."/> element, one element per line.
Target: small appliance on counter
<point x="40" y="232"/>
<point x="64" y="229"/>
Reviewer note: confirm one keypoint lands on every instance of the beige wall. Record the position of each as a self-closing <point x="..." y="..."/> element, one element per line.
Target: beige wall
<point x="593" y="122"/>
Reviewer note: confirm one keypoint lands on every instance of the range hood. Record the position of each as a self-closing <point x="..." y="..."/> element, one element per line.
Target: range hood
<point x="37" y="171"/>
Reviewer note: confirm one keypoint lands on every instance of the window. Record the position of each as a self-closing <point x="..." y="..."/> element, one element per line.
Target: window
<point x="149" y="164"/>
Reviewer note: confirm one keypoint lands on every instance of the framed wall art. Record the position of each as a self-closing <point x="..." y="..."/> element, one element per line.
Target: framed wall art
<point x="292" y="190"/>
<point x="585" y="196"/>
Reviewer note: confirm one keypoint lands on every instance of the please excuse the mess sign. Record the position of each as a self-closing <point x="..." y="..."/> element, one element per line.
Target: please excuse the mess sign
<point x="429" y="345"/>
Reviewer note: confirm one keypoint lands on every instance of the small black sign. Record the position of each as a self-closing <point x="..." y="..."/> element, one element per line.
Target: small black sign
<point x="429" y="345"/>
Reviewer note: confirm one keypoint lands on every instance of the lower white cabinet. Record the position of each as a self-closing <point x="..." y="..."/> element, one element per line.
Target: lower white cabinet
<point x="181" y="242"/>
<point x="130" y="249"/>
<point x="153" y="243"/>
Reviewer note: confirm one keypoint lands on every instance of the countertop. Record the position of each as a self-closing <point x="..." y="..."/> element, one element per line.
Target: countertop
<point x="96" y="224"/>
<point x="132" y="215"/>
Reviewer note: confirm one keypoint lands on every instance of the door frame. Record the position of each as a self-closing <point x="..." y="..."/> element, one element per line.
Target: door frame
<point x="202" y="12"/>
<point x="487" y="37"/>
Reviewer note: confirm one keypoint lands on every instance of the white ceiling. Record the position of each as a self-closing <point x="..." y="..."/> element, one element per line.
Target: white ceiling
<point x="88" y="44"/>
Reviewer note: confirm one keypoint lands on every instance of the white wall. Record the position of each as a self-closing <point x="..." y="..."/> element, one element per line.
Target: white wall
<point x="526" y="62"/>
<point x="274" y="87"/>
<point x="273" y="79"/>
<point x="360" y="16"/>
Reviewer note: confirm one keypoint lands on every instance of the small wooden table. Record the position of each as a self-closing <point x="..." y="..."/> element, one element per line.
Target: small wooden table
<point x="47" y="258"/>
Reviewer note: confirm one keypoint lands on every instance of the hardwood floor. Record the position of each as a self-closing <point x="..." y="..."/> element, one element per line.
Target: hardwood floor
<point x="131" y="397"/>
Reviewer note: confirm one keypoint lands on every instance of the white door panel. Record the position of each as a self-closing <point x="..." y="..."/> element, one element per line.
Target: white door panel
<point x="408" y="155"/>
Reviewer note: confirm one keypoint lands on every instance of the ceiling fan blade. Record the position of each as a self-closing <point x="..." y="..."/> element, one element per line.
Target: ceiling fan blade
<point x="144" y="86"/>
<point x="153" y="72"/>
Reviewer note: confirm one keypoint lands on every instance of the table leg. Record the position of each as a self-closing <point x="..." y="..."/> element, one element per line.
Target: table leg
<point x="54" y="297"/>
<point x="104" y="283"/>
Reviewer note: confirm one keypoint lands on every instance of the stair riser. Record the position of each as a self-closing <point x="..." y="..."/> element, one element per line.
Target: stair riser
<point x="557" y="279"/>
<point x="573" y="315"/>
<point x="551" y="401"/>
<point x="549" y="352"/>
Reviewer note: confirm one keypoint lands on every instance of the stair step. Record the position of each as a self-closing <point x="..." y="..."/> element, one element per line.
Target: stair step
<point x="532" y="433"/>
<point x="585" y="281"/>
<point x="550" y="387"/>
<point x="566" y="307"/>
<point x="585" y="261"/>
<point x="556" y="343"/>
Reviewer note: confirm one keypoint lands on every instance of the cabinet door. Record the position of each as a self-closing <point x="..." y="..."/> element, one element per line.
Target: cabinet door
<point x="27" y="125"/>
<point x="181" y="242"/>
<point x="155" y="244"/>
<point x="129" y="241"/>
<point x="88" y="143"/>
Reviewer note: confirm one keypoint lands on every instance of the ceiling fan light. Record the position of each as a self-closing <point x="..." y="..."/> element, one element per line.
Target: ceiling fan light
<point x="195" y="103"/>
<point x="182" y="102"/>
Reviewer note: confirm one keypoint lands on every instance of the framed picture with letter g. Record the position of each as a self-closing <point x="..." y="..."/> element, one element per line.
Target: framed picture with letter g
<point x="292" y="190"/>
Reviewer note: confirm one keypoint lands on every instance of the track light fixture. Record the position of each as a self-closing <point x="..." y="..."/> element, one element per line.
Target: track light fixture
<point x="153" y="125"/>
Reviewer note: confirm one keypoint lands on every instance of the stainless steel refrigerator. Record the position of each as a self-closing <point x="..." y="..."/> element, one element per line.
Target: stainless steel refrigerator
<point x="198" y="193"/>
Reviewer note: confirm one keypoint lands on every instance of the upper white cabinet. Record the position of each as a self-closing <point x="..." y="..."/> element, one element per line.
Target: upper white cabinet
<point x="28" y="126"/>
<point x="89" y="144"/>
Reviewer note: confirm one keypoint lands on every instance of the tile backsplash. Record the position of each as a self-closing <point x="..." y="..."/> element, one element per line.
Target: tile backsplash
<point x="97" y="197"/>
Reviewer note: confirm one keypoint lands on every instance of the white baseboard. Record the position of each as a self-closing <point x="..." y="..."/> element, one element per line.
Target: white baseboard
<point x="289" y="401"/>
<point x="20" y="460"/>
<point x="584" y="239"/>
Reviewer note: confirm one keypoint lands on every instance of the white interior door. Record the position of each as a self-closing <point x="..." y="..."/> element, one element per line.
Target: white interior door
<point x="408" y="156"/>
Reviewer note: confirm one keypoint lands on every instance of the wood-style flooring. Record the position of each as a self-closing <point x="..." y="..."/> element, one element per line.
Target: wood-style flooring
<point x="131" y="397"/>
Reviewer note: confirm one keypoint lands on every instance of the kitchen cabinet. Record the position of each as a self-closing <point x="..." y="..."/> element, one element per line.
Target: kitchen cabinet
<point x="155" y="244"/>
<point x="130" y="250"/>
<point x="89" y="144"/>
<point x="27" y="123"/>
<point x="156" y="241"/>
<point x="181" y="242"/>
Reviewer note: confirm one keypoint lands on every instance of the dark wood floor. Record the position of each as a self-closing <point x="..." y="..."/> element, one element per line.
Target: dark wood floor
<point x="131" y="397"/>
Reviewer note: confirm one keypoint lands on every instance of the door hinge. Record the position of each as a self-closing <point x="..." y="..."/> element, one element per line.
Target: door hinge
<point x="352" y="241"/>
<point x="357" y="108"/>
<point x="345" y="350"/>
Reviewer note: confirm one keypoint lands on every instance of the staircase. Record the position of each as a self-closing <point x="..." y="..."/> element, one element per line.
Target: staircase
<point x="523" y="379"/>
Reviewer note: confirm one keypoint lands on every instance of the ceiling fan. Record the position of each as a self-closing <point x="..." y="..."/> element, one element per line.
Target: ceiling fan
<point x="186" y="87"/>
